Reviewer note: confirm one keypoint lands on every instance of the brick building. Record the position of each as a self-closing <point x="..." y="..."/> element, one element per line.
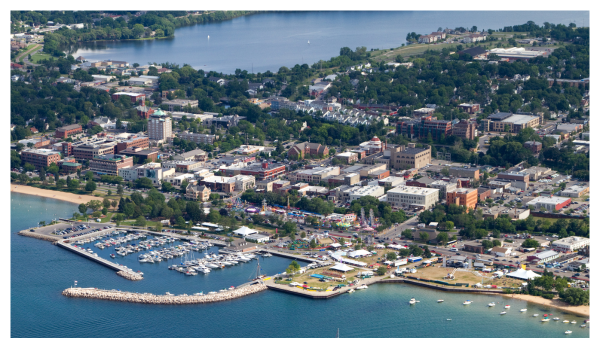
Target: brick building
<point x="534" y="146"/>
<point x="465" y="129"/>
<point x="141" y="154"/>
<point x="264" y="171"/>
<point x="110" y="164"/>
<point x="134" y="97"/>
<point x="463" y="196"/>
<point x="40" y="157"/>
<point x="132" y="141"/>
<point x="302" y="149"/>
<point x="422" y="128"/>
<point x="470" y="108"/>
<point x="67" y="131"/>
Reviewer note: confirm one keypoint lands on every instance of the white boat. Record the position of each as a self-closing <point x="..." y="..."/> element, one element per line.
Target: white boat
<point x="212" y="292"/>
<point x="568" y="332"/>
<point x="467" y="302"/>
<point x="556" y="318"/>
<point x="448" y="319"/>
<point x="545" y="320"/>
<point x="412" y="301"/>
<point x="582" y="325"/>
<point x="267" y="255"/>
<point x="440" y="300"/>
<point x="535" y="315"/>
<point x="503" y="312"/>
<point x="351" y="290"/>
<point x="211" y="265"/>
<point x="507" y="306"/>
<point x="199" y="294"/>
<point x="492" y="304"/>
<point x="573" y="322"/>
<point x="362" y="287"/>
<point x="523" y="310"/>
<point x="309" y="42"/>
<point x="206" y="270"/>
<point x="566" y="321"/>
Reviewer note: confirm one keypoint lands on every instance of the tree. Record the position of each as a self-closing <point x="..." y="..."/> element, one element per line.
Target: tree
<point x="313" y="244"/>
<point x="449" y="225"/>
<point x="445" y="171"/>
<point x="140" y="221"/>
<point x="496" y="243"/>
<point x="89" y="175"/>
<point x="442" y="237"/>
<point x="530" y="243"/>
<point x="342" y="241"/>
<point x="426" y="252"/>
<point x="118" y="219"/>
<point x="391" y="256"/>
<point x="487" y="244"/>
<point x="90" y="186"/>
<point x="94" y="205"/>
<point x="381" y="270"/>
<point x="82" y="208"/>
<point x="424" y="236"/>
<point x="114" y="203"/>
<point x="292" y="237"/>
<point x="42" y="174"/>
<point x="120" y="190"/>
<point x="293" y="268"/>
<point x="28" y="167"/>
<point x="407" y="233"/>
<point x="60" y="183"/>
<point x="303" y="234"/>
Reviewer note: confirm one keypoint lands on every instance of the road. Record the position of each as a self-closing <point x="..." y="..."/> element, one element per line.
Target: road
<point x="31" y="52"/>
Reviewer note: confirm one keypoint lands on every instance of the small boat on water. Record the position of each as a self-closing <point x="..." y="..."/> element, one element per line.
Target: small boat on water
<point x="412" y="301"/>
<point x="545" y="320"/>
<point x="523" y="310"/>
<point x="112" y="256"/>
<point x="566" y="321"/>
<point x="503" y="312"/>
<point x="556" y="318"/>
<point x="362" y="287"/>
<point x="449" y="319"/>
<point x="582" y="325"/>
<point x="440" y="300"/>
<point x="535" y="314"/>
<point x="351" y="290"/>
<point x="467" y="302"/>
<point x="492" y="304"/>
<point x="568" y="332"/>
<point x="507" y="306"/>
<point x="573" y="322"/>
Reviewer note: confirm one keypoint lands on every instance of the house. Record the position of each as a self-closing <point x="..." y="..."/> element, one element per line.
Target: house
<point x="197" y="192"/>
<point x="217" y="80"/>
<point x="302" y="149"/>
<point x="501" y="252"/>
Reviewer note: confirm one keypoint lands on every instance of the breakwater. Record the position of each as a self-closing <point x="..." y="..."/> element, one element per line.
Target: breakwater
<point x="28" y="233"/>
<point x="148" y="298"/>
<point x="130" y="275"/>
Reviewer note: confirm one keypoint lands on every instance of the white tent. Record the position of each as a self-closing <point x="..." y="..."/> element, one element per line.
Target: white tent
<point x="335" y="245"/>
<point x="342" y="267"/>
<point x="244" y="231"/>
<point x="523" y="274"/>
<point x="379" y="246"/>
<point x="359" y="253"/>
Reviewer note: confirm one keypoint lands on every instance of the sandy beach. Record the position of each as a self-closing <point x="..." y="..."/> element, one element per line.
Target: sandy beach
<point x="59" y="195"/>
<point x="582" y="310"/>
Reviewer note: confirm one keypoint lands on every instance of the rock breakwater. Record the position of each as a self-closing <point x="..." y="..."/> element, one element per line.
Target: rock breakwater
<point x="130" y="275"/>
<point x="148" y="298"/>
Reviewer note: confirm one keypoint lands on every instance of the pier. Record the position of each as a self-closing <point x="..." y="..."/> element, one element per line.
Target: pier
<point x="148" y="298"/>
<point x="122" y="270"/>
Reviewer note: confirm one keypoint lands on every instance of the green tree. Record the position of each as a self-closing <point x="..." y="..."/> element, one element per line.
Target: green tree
<point x="496" y="243"/>
<point x="302" y="234"/>
<point x="487" y="244"/>
<point x="391" y="256"/>
<point x="424" y="236"/>
<point x="118" y="219"/>
<point x="530" y="243"/>
<point x="313" y="244"/>
<point x="407" y="233"/>
<point x="426" y="252"/>
<point x="342" y="241"/>
<point x="449" y="225"/>
<point x="442" y="237"/>
<point x="293" y="268"/>
<point x="120" y="190"/>
<point x="140" y="221"/>
<point x="82" y="208"/>
<point x="382" y="270"/>
<point x="90" y="186"/>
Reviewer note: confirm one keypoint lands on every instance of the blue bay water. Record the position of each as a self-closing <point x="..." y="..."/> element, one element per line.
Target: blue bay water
<point x="40" y="271"/>
<point x="268" y="41"/>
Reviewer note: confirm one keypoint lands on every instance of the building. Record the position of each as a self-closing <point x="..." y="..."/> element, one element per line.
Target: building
<point x="406" y="196"/>
<point x="141" y="154"/>
<point x="347" y="157"/>
<point x="423" y="112"/>
<point x="199" y="193"/>
<point x="198" y="138"/>
<point x="518" y="53"/>
<point x="40" y="158"/>
<point x="264" y="170"/>
<point x="87" y="150"/>
<point x="474" y="247"/>
<point x="134" y="97"/>
<point x="570" y="244"/>
<point x="391" y="181"/>
<point x="568" y="128"/>
<point x="472" y="173"/>
<point x="465" y="129"/>
<point x="300" y="150"/>
<point x="344" y="179"/>
<point x="180" y="103"/>
<point x="474" y="38"/>
<point x="159" y="126"/>
<point x="267" y="186"/>
<point x="403" y="157"/>
<point x="534" y="146"/>
<point x="462" y="196"/>
<point x="68" y="131"/>
<point x="144" y="111"/>
<point x="109" y="164"/>
<point x="126" y="140"/>
<point x="501" y="252"/>
<point x="422" y="128"/>
<point x="69" y="167"/>
<point x="368" y="190"/>
<point x="315" y="175"/>
<point x="470" y="108"/>
<point x="508" y="122"/>
<point x="428" y="38"/>
<point x="514" y="176"/>
<point x="444" y="187"/>
<point x="197" y="155"/>
<point x="575" y="191"/>
<point x="258" y="238"/>
<point x="182" y="166"/>
<point x="229" y="184"/>
<point x="549" y="203"/>
<point x="475" y="52"/>
<point x="249" y="149"/>
<point x="544" y="256"/>
<point x="222" y="122"/>
<point x="153" y="171"/>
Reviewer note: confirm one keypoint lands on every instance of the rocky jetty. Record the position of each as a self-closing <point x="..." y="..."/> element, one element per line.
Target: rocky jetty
<point x="28" y="233"/>
<point x="130" y="275"/>
<point x="148" y="298"/>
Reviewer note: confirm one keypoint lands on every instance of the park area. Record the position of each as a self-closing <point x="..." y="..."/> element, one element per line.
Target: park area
<point x="438" y="273"/>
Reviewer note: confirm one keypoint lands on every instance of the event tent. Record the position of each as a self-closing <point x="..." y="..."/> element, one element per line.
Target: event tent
<point x="359" y="253"/>
<point x="523" y="274"/>
<point x="342" y="267"/>
<point x="244" y="231"/>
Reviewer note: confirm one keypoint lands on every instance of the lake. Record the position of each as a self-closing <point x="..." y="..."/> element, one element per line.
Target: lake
<point x="268" y="41"/>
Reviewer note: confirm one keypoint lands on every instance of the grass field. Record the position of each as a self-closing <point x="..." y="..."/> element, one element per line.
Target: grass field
<point x="29" y="49"/>
<point x="551" y="220"/>
<point x="36" y="58"/>
<point x="439" y="273"/>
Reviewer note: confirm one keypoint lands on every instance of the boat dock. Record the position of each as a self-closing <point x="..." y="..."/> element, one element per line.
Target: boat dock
<point x="290" y="256"/>
<point x="122" y="270"/>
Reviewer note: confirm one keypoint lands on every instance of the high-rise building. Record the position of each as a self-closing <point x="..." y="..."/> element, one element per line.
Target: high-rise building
<point x="159" y="126"/>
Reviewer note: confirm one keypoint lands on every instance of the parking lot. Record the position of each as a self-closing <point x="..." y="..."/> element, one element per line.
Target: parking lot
<point x="77" y="229"/>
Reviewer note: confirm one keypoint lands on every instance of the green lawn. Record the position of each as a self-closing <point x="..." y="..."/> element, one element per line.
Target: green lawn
<point x="28" y="50"/>
<point x="551" y="220"/>
<point x="36" y="58"/>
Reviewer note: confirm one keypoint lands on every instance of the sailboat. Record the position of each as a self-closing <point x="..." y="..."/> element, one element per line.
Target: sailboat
<point x="309" y="42"/>
<point x="209" y="36"/>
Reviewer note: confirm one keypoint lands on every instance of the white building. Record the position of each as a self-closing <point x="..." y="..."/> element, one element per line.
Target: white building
<point x="549" y="203"/>
<point x="177" y="179"/>
<point x="444" y="186"/>
<point x="570" y="244"/>
<point x="249" y="149"/>
<point x="159" y="126"/>
<point x="153" y="171"/>
<point x="405" y="196"/>
<point x="544" y="256"/>
<point x="391" y="181"/>
<point x="369" y="190"/>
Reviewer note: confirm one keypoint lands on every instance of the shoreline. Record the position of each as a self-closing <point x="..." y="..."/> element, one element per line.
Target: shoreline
<point x="581" y="310"/>
<point x="57" y="195"/>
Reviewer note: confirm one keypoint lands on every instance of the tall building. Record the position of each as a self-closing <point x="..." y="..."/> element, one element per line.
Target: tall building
<point x="403" y="157"/>
<point x="159" y="126"/>
<point x="465" y="129"/>
<point x="421" y="128"/>
<point x="462" y="196"/>
<point x="110" y="164"/>
<point x="406" y="196"/>
<point x="66" y="131"/>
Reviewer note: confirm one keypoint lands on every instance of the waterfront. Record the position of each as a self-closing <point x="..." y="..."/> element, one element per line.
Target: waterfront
<point x="41" y="271"/>
<point x="268" y="41"/>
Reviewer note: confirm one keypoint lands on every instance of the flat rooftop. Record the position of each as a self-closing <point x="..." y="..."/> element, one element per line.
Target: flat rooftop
<point x="520" y="119"/>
